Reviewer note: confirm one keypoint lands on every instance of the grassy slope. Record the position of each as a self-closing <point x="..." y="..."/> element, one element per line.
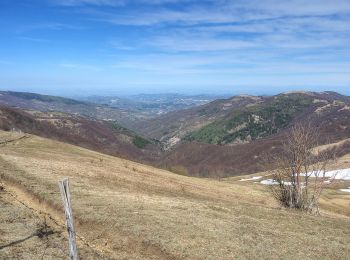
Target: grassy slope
<point x="131" y="210"/>
<point x="103" y="136"/>
<point x="18" y="227"/>
<point x="254" y="122"/>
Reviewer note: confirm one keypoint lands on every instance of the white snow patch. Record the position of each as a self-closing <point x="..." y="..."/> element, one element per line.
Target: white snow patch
<point x="273" y="182"/>
<point x="343" y="174"/>
<point x="345" y="190"/>
<point x="252" y="178"/>
<point x="269" y="182"/>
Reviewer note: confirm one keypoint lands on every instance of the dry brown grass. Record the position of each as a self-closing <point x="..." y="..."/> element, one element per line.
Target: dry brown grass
<point x="132" y="211"/>
<point x="29" y="234"/>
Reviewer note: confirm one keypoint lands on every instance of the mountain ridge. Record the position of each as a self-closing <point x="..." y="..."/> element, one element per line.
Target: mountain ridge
<point x="24" y="100"/>
<point x="245" y="127"/>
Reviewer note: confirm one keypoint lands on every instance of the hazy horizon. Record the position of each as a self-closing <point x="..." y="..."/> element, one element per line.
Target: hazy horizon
<point x="125" y="47"/>
<point x="78" y="95"/>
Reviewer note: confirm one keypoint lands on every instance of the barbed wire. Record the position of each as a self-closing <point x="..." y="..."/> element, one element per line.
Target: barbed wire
<point x="39" y="213"/>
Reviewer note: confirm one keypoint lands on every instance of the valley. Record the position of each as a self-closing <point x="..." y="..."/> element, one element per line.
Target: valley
<point x="153" y="104"/>
<point x="225" y="137"/>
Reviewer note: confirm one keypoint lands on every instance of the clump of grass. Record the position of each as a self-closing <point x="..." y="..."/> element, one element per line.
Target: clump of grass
<point x="126" y="165"/>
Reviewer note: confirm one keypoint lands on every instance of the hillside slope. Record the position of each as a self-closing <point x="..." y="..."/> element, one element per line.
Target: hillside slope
<point x="235" y="143"/>
<point x="254" y="122"/>
<point x="127" y="210"/>
<point x="172" y="127"/>
<point x="103" y="136"/>
<point x="240" y="118"/>
<point x="47" y="103"/>
<point x="223" y="138"/>
<point x="270" y="117"/>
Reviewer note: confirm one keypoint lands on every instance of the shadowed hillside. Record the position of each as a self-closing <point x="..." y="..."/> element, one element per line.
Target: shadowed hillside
<point x="103" y="136"/>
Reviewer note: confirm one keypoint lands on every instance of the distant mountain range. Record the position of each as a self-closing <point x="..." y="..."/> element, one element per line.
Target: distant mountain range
<point x="47" y="103"/>
<point x="221" y="138"/>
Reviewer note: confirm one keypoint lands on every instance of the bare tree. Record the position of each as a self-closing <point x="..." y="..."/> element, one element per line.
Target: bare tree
<point x="300" y="174"/>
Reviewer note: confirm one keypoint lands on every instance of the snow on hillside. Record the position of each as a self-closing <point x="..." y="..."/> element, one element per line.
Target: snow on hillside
<point x="252" y="178"/>
<point x="343" y="174"/>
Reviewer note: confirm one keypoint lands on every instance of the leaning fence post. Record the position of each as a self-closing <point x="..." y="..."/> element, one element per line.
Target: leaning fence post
<point x="64" y="188"/>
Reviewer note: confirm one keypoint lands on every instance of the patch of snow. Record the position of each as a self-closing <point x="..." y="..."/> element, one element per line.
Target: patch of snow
<point x="345" y="190"/>
<point x="273" y="182"/>
<point x="252" y="178"/>
<point x="343" y="174"/>
<point x="269" y="182"/>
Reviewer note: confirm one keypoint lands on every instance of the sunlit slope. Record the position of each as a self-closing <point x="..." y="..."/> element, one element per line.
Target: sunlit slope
<point x="135" y="211"/>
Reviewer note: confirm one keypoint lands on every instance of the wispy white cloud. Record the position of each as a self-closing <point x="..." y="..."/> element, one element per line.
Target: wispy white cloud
<point x="88" y="2"/>
<point x="179" y="44"/>
<point x="277" y="8"/>
<point x="222" y="11"/>
<point x="79" y="66"/>
<point x="253" y="42"/>
<point x="114" y="2"/>
<point x="259" y="24"/>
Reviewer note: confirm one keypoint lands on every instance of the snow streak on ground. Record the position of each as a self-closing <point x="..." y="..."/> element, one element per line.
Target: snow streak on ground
<point x="343" y="174"/>
<point x="273" y="182"/>
<point x="252" y="178"/>
<point x="345" y="190"/>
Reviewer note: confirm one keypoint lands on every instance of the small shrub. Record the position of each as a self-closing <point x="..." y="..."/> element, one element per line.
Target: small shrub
<point x="300" y="173"/>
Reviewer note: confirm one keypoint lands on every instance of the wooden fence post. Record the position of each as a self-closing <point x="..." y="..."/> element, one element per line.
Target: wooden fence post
<point x="64" y="188"/>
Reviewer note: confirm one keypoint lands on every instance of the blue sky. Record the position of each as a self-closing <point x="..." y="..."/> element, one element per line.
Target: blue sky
<point x="118" y="47"/>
